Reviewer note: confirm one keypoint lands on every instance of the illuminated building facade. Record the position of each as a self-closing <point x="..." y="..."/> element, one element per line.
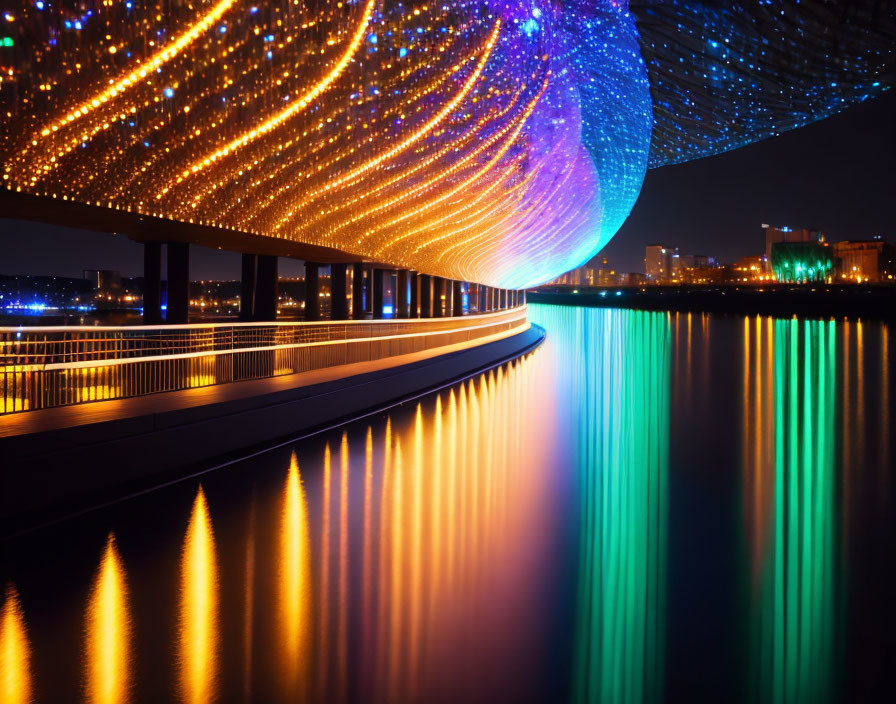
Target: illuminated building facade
<point x="784" y="234"/>
<point x="596" y="272"/>
<point x="751" y="270"/>
<point x="492" y="141"/>
<point x="802" y="262"/>
<point x="660" y="263"/>
<point x="863" y="261"/>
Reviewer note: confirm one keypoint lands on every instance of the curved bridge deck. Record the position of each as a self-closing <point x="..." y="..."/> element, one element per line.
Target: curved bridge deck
<point x="64" y="458"/>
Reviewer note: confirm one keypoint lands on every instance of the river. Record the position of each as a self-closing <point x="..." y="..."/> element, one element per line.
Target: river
<point x="649" y="507"/>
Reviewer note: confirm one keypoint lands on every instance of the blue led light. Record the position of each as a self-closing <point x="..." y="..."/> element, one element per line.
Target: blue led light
<point x="529" y="27"/>
<point x="781" y="75"/>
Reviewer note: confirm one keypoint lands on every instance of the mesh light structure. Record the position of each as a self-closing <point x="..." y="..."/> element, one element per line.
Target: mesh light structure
<point x="496" y="141"/>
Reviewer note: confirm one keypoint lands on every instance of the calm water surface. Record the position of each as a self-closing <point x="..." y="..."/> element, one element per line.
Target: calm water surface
<point x="650" y="507"/>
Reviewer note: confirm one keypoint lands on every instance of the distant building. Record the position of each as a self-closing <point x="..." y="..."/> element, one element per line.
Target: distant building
<point x="802" y="262"/>
<point x="575" y="277"/>
<point x="775" y="235"/>
<point x="596" y="272"/>
<point x="660" y="263"/>
<point x="751" y="270"/>
<point x="104" y="280"/>
<point x="863" y="260"/>
<point x="694" y="261"/>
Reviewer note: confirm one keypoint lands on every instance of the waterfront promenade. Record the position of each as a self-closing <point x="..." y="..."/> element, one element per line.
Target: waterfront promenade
<point x="94" y="412"/>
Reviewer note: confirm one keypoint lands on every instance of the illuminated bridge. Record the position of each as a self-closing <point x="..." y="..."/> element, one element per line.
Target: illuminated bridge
<point x="492" y="141"/>
<point x="444" y="155"/>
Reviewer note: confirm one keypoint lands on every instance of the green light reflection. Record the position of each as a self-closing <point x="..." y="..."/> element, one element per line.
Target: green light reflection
<point x="792" y="623"/>
<point x="620" y="361"/>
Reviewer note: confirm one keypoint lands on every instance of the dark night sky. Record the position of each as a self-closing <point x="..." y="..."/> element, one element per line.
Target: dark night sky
<point x="837" y="175"/>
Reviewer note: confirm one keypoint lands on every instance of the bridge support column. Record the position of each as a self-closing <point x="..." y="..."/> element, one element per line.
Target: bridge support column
<point x="414" y="307"/>
<point x="448" y="291"/>
<point x="458" y="299"/>
<point x="266" y="289"/>
<point x="425" y="281"/>
<point x="524" y="296"/>
<point x="377" y="292"/>
<point x="368" y="292"/>
<point x="438" y="297"/>
<point x="401" y="293"/>
<point x="178" y="283"/>
<point x="152" y="283"/>
<point x="357" y="291"/>
<point x="312" y="291"/>
<point x="338" y="292"/>
<point x="247" y="288"/>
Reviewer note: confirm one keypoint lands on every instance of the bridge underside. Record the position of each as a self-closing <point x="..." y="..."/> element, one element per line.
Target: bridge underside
<point x="145" y="228"/>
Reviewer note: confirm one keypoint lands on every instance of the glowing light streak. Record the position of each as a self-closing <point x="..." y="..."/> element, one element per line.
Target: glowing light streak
<point x="505" y="146"/>
<point x="419" y="133"/>
<point x="198" y="640"/>
<point x="15" y="652"/>
<point x="294" y="584"/>
<point x="107" y="648"/>
<point x="332" y="162"/>
<point x="323" y="636"/>
<point x="326" y="125"/>
<point x="160" y="58"/>
<point x="308" y="97"/>
<point x="440" y="175"/>
<point x="342" y="637"/>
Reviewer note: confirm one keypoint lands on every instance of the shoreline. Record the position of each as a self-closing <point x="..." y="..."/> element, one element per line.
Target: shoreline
<point x="823" y="301"/>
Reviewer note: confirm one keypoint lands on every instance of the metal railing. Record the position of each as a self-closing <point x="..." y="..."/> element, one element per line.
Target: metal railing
<point x="43" y="367"/>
